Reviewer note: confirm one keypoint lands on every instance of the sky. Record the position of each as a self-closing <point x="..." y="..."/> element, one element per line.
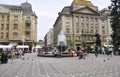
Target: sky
<point x="47" y="11"/>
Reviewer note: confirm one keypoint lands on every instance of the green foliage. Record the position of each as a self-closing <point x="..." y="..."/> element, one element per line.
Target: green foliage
<point x="45" y="48"/>
<point x="69" y="42"/>
<point x="40" y="40"/>
<point x="110" y="42"/>
<point x="9" y="55"/>
<point x="115" y="23"/>
<point x="83" y="44"/>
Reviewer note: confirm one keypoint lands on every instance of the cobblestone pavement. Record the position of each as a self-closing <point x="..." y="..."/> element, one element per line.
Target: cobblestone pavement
<point x="34" y="66"/>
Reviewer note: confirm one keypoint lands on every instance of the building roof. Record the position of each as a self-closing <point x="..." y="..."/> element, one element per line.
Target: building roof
<point x="12" y="7"/>
<point x="25" y="7"/>
<point x="66" y="10"/>
<point x="83" y="2"/>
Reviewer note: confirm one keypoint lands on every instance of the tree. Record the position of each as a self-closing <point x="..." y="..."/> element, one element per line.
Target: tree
<point x="69" y="43"/>
<point x="84" y="44"/>
<point x="115" y="23"/>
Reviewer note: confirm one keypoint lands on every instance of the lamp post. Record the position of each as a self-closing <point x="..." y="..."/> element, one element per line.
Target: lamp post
<point x="98" y="40"/>
<point x="107" y="39"/>
<point x="73" y="35"/>
<point x="98" y="44"/>
<point x="23" y="40"/>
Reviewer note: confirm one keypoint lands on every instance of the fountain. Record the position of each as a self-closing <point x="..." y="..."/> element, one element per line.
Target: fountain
<point x="62" y="46"/>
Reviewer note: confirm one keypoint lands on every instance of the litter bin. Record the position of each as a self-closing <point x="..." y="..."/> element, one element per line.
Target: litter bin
<point x="4" y="57"/>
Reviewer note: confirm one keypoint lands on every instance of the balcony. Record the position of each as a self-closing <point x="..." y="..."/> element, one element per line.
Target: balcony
<point x="28" y="38"/>
<point x="27" y="29"/>
<point x="28" y="21"/>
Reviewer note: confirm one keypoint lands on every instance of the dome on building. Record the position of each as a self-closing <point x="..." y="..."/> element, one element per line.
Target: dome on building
<point x="83" y="2"/>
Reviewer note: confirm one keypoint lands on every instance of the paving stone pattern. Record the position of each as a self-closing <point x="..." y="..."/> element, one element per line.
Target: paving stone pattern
<point x="33" y="66"/>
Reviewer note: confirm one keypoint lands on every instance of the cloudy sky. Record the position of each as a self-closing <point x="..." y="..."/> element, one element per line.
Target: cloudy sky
<point x="47" y="11"/>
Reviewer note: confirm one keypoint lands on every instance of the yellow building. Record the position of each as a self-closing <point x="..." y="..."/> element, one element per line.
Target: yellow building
<point x="80" y="22"/>
<point x="18" y="23"/>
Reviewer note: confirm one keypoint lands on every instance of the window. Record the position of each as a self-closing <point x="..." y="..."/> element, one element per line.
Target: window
<point x="67" y="17"/>
<point x="28" y="18"/>
<point x="103" y="31"/>
<point x="2" y="35"/>
<point x="2" y="26"/>
<point x="87" y="19"/>
<point x="77" y="30"/>
<point x="82" y="31"/>
<point x="96" y="26"/>
<point x="91" y="21"/>
<point x="77" y="19"/>
<point x="7" y="35"/>
<point x="82" y="24"/>
<point x="3" y="17"/>
<point x="103" y="27"/>
<point x="68" y="37"/>
<point x="15" y="35"/>
<point x="87" y="31"/>
<point x="82" y="19"/>
<point x="96" y="21"/>
<point x="7" y="27"/>
<point x="77" y="38"/>
<point x="77" y="25"/>
<point x="28" y="35"/>
<point x="15" y="18"/>
<point x="67" y="30"/>
<point x="91" y="26"/>
<point x="15" y="26"/>
<point x="91" y="31"/>
<point x="96" y="31"/>
<point x="67" y="26"/>
<point x="67" y="22"/>
<point x="7" y="17"/>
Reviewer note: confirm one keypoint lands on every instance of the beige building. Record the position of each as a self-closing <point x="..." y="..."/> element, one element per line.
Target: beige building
<point x="50" y="37"/>
<point x="18" y="23"/>
<point x="80" y="22"/>
<point x="105" y="27"/>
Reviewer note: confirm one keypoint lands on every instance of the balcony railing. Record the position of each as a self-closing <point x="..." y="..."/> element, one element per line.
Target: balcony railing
<point x="27" y="29"/>
<point x="28" y="21"/>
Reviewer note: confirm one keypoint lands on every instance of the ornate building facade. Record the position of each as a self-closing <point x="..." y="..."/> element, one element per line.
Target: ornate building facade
<point x="80" y="22"/>
<point x="18" y="23"/>
<point x="50" y="38"/>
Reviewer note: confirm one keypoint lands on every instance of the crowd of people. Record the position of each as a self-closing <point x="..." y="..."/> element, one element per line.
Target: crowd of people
<point x="82" y="51"/>
<point x="16" y="53"/>
<point x="11" y="53"/>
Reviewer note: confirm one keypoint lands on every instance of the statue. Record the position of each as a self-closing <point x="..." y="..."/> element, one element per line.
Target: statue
<point x="98" y="40"/>
<point x="98" y="44"/>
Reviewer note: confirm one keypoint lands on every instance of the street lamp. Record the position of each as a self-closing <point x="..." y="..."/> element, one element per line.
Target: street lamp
<point x="98" y="40"/>
<point x="23" y="40"/>
<point x="107" y="39"/>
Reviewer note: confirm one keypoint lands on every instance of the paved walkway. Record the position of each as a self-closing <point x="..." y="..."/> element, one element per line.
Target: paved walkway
<point x="34" y="66"/>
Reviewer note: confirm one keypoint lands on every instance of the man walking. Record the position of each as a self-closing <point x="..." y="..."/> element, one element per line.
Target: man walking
<point x="96" y="51"/>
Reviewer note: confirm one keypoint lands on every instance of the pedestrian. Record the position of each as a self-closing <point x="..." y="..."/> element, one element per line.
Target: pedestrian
<point x="83" y="49"/>
<point x="110" y="50"/>
<point x="12" y="54"/>
<point x="20" y="53"/>
<point x="80" y="53"/>
<point x="72" y="52"/>
<point x="103" y="50"/>
<point x="96" y="51"/>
